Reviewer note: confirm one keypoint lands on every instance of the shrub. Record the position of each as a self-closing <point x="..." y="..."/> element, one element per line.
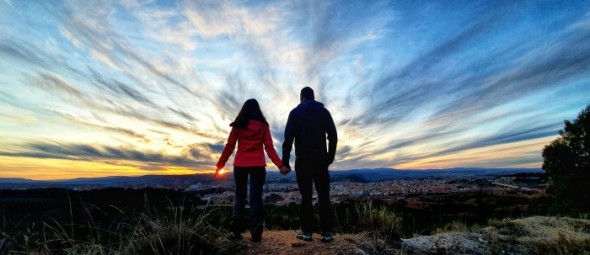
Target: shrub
<point x="380" y="220"/>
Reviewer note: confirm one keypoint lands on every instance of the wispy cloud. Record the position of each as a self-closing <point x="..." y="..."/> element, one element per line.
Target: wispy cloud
<point x="196" y="155"/>
<point x="153" y="84"/>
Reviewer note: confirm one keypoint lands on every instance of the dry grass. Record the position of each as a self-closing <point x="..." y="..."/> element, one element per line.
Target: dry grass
<point x="543" y="235"/>
<point x="563" y="244"/>
<point x="176" y="231"/>
<point x="382" y="225"/>
<point x="386" y="222"/>
<point x="455" y="226"/>
<point x="179" y="230"/>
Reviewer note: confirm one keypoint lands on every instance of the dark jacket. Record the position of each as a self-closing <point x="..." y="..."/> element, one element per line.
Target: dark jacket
<point x="308" y="125"/>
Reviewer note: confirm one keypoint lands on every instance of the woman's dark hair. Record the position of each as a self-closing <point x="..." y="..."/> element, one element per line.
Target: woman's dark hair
<point x="250" y="111"/>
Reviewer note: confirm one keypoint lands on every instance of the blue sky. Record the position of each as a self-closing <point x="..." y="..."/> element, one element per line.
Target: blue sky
<point x="96" y="88"/>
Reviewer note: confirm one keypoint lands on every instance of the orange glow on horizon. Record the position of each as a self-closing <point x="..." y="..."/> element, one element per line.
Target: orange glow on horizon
<point x="60" y="169"/>
<point x="499" y="153"/>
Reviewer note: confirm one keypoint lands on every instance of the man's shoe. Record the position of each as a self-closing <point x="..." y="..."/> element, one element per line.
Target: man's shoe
<point x="305" y="236"/>
<point x="327" y="237"/>
<point x="256" y="239"/>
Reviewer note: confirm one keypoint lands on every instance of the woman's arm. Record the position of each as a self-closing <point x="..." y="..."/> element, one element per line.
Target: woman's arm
<point x="229" y="148"/>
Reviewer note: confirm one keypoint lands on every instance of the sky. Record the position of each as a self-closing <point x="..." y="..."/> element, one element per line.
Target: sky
<point x="113" y="88"/>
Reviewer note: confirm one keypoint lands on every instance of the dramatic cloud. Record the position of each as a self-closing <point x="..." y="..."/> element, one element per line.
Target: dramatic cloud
<point x="153" y="85"/>
<point x="197" y="156"/>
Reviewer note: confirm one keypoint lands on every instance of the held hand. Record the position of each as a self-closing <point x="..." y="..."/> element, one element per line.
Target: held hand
<point x="216" y="172"/>
<point x="284" y="170"/>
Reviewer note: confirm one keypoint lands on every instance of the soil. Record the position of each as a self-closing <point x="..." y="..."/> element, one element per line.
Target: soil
<point x="285" y="242"/>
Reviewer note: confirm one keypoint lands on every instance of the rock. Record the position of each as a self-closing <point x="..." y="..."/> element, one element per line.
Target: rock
<point x="447" y="243"/>
<point x="297" y="244"/>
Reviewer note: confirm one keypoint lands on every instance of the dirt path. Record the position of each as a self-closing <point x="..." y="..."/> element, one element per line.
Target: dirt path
<point x="285" y="242"/>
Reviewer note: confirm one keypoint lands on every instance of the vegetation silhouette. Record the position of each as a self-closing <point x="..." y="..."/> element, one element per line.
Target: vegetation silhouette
<point x="567" y="161"/>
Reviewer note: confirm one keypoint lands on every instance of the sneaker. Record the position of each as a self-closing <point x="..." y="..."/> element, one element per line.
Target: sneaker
<point x="305" y="236"/>
<point x="327" y="237"/>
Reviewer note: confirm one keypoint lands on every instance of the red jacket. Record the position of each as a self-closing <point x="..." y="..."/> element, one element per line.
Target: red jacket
<point x="250" y="141"/>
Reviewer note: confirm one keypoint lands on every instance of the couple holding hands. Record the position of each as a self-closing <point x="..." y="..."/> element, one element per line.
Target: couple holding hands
<point x="309" y="126"/>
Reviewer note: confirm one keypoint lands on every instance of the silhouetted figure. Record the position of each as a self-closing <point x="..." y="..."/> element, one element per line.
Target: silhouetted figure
<point x="308" y="125"/>
<point x="251" y="131"/>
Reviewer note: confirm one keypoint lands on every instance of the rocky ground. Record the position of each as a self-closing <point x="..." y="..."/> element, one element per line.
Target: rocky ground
<point x="533" y="235"/>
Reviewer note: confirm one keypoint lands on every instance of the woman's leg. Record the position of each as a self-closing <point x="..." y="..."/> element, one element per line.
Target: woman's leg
<point x="257" y="178"/>
<point x="241" y="180"/>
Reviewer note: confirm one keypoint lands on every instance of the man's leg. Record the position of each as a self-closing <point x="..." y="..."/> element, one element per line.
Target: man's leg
<point x="322" y="186"/>
<point x="241" y="179"/>
<point x="257" y="177"/>
<point x="305" y="183"/>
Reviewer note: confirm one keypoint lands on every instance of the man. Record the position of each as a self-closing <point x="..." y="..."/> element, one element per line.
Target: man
<point x="308" y="125"/>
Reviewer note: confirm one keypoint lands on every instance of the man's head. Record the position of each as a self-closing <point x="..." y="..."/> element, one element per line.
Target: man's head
<point x="306" y="93"/>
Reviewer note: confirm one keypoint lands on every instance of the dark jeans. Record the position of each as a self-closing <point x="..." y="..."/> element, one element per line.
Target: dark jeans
<point x="311" y="172"/>
<point x="257" y="178"/>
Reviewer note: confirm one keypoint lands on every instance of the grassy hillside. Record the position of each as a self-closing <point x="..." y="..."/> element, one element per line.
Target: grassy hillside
<point x="150" y="221"/>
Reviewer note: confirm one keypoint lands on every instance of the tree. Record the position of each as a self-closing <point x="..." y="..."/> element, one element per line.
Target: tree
<point x="566" y="161"/>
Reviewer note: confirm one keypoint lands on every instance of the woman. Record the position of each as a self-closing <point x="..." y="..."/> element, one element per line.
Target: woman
<point x="251" y="131"/>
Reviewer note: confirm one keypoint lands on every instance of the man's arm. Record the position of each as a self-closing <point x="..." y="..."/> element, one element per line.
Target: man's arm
<point x="289" y="137"/>
<point x="332" y="137"/>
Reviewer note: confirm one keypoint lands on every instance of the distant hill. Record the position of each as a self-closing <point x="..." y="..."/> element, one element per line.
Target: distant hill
<point x="113" y="181"/>
<point x="384" y="174"/>
<point x="352" y="175"/>
<point x="15" y="180"/>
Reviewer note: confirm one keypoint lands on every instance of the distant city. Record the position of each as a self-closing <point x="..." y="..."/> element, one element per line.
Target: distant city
<point x="360" y="184"/>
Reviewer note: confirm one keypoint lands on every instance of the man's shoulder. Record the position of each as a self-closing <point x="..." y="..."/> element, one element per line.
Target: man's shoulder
<point x="309" y="108"/>
<point x="298" y="109"/>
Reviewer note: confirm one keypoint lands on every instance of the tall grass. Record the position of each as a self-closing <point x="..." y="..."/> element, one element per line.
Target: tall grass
<point x="453" y="226"/>
<point x="177" y="230"/>
<point x="380" y="220"/>
<point x="381" y="224"/>
<point x="563" y="245"/>
<point x="543" y="235"/>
